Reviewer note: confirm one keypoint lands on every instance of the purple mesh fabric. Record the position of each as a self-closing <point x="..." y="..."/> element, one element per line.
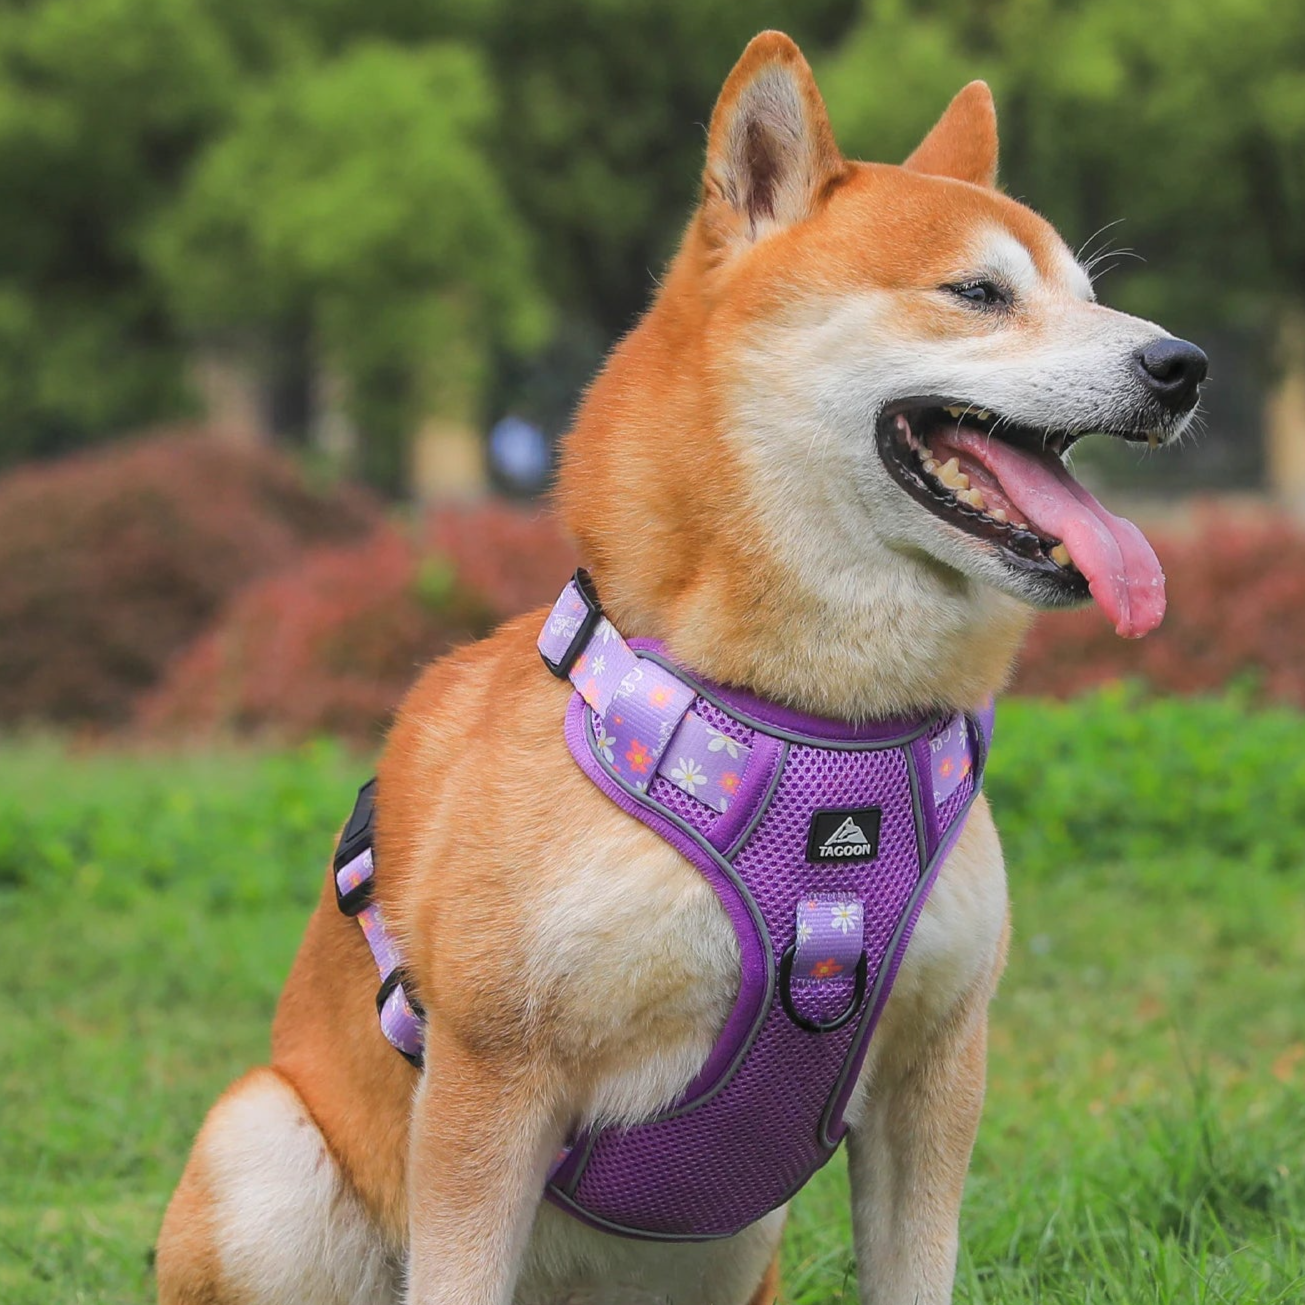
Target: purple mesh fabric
<point x="702" y="1174"/>
<point x="724" y="722"/>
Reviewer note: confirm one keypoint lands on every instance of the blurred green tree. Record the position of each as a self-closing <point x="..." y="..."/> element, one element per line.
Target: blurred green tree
<point x="605" y="111"/>
<point x="355" y="195"/>
<point x="102" y="102"/>
<point x="402" y="188"/>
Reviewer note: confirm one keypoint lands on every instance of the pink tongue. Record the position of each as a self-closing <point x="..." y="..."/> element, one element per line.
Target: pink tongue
<point x="1122" y="570"/>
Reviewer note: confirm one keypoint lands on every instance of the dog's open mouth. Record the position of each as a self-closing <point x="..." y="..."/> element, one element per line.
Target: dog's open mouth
<point x="1008" y="486"/>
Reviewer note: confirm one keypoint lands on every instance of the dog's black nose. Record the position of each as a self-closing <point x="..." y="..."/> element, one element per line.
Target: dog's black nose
<point x="1172" y="370"/>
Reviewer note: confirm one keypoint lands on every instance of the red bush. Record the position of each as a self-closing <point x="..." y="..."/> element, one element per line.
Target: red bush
<point x="112" y="561"/>
<point x="1236" y="589"/>
<point x="331" y="644"/>
<point x="514" y="558"/>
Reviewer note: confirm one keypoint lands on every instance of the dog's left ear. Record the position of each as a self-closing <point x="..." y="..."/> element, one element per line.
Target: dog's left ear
<point x="770" y="149"/>
<point x="963" y="142"/>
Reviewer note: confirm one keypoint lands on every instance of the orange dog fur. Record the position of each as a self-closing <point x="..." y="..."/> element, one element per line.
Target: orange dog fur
<point x="704" y="482"/>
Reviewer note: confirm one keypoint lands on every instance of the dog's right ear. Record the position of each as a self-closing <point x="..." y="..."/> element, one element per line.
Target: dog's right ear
<point x="770" y="149"/>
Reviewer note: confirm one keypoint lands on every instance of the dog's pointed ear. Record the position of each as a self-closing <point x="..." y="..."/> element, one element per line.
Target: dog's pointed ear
<point x="963" y="142"/>
<point x="771" y="154"/>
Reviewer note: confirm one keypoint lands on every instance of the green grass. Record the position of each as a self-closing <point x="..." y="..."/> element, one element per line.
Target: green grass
<point x="1144" y="1139"/>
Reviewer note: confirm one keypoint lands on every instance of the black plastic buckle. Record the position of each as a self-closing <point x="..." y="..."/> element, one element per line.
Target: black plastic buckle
<point x="584" y="583"/>
<point x="398" y="976"/>
<point x="816" y="1026"/>
<point x="354" y="841"/>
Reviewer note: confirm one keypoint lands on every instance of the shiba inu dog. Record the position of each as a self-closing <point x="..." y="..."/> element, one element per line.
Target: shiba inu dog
<point x="827" y="466"/>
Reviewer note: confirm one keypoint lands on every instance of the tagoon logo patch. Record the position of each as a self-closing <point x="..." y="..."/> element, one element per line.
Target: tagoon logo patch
<point x="844" y="835"/>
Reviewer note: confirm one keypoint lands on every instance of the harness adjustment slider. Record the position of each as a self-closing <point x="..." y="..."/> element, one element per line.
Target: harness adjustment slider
<point x="593" y="612"/>
<point x="355" y="839"/>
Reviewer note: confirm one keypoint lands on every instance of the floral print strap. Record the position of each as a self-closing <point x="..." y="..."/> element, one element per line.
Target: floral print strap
<point x="645" y="727"/>
<point x="400" y="1014"/>
<point x="830" y="936"/>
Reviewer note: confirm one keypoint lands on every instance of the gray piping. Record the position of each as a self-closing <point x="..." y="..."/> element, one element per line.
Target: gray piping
<point x="917" y="807"/>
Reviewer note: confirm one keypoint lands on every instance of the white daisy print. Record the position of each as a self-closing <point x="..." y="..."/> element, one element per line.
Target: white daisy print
<point x="804" y="932"/>
<point x="600" y="665"/>
<point x="604" y="743"/>
<point x="722" y="743"/>
<point x="843" y="916"/>
<point x="688" y="775"/>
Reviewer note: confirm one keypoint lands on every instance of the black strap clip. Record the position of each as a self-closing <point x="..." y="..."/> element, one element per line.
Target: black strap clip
<point x="354" y="841"/>
<point x="396" y="977"/>
<point x="818" y="1026"/>
<point x="593" y="611"/>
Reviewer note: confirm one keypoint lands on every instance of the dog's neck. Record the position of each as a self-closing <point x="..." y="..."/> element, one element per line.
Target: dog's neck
<point x="851" y="651"/>
<point x="748" y="587"/>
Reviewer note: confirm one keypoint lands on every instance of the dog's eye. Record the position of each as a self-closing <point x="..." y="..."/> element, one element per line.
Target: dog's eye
<point x="983" y="294"/>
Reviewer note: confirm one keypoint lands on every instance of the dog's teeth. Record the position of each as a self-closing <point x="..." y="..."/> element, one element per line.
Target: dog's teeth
<point x="925" y="451"/>
<point x="1021" y="525"/>
<point x="954" y="412"/>
<point x="931" y="466"/>
<point x="952" y="476"/>
<point x="1060" y="555"/>
<point x="972" y="497"/>
<point x="999" y="514"/>
<point x="984" y="415"/>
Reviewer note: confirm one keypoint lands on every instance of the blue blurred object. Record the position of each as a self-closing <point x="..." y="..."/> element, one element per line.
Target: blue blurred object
<point x="520" y="453"/>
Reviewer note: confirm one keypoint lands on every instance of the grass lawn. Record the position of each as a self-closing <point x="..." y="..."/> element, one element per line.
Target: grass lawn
<point x="1144" y="1139"/>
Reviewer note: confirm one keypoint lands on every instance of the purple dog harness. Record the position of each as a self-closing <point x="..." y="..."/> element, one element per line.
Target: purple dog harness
<point x="822" y="841"/>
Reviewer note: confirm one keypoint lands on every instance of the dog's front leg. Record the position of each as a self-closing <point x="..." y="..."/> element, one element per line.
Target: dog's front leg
<point x="483" y="1135"/>
<point x="907" y="1158"/>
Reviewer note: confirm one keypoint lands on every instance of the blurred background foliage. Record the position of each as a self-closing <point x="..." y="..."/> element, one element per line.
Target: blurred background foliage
<point x="386" y="207"/>
<point x="365" y="232"/>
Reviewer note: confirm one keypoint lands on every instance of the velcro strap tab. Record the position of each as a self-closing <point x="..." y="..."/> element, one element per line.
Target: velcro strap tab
<point x="705" y="763"/>
<point x="640" y="719"/>
<point x="645" y="725"/>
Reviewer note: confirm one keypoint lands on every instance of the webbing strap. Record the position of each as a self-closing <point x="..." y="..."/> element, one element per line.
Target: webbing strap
<point x="647" y="726"/>
<point x="400" y="1013"/>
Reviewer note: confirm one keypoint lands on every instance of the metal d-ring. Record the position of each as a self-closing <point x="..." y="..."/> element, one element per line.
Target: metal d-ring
<point x="818" y="1026"/>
